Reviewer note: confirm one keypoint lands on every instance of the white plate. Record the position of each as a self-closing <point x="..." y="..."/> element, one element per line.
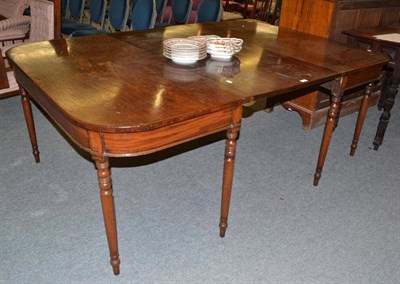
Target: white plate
<point x="172" y="41"/>
<point x="222" y="57"/>
<point x="224" y="48"/>
<point x="184" y="51"/>
<point x="203" y="38"/>
<point x="180" y="60"/>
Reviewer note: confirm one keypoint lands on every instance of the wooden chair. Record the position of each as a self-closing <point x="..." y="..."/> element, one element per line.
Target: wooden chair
<point x="268" y="11"/>
<point x="262" y="10"/>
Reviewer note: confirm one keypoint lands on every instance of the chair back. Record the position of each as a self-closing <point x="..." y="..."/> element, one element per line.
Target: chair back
<point x="209" y="11"/>
<point x="117" y="15"/>
<point x="42" y="20"/>
<point x="13" y="8"/>
<point x="264" y="9"/>
<point x="133" y="3"/>
<point x="180" y="11"/>
<point x="97" y="12"/>
<point x="144" y="15"/>
<point x="160" y="9"/>
<point x="75" y="8"/>
<point x="64" y="8"/>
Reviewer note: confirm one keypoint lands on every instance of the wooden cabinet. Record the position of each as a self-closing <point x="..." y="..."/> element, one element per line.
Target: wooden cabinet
<point x="328" y="18"/>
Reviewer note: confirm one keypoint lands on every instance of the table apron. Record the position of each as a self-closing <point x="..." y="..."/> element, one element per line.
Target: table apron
<point x="140" y="143"/>
<point x="363" y="76"/>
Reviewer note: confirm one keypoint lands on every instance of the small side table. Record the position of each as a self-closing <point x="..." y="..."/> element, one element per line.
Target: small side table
<point x="386" y="40"/>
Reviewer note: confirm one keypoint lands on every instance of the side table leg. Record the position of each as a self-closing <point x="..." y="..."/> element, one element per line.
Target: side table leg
<point x="384" y="119"/>
<point x="107" y="203"/>
<point x="385" y="79"/>
<point x="30" y="123"/>
<point x="229" y="164"/>
<point x="361" y="118"/>
<point x="331" y="123"/>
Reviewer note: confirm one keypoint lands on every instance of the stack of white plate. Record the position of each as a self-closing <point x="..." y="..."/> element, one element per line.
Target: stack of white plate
<point x="184" y="50"/>
<point x="223" y="48"/>
<point x="203" y="38"/>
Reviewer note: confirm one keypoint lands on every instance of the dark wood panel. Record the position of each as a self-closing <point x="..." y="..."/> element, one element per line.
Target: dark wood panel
<point x="390" y="15"/>
<point x="307" y="16"/>
<point x="343" y="20"/>
<point x="369" y="18"/>
<point x="351" y="5"/>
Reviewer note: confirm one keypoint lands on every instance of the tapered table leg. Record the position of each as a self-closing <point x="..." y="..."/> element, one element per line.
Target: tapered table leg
<point x="26" y="105"/>
<point x="361" y="117"/>
<point x="107" y="203"/>
<point x="331" y="123"/>
<point x="229" y="164"/>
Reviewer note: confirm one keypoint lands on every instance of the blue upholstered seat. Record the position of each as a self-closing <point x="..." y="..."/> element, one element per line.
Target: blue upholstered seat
<point x="209" y="11"/>
<point x="180" y="11"/>
<point x="97" y="10"/>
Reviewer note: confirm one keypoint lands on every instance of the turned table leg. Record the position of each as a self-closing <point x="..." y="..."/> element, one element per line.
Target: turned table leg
<point x="331" y="123"/>
<point x="361" y="117"/>
<point x="107" y="203"/>
<point x="388" y="103"/>
<point x="229" y="164"/>
<point x="30" y="123"/>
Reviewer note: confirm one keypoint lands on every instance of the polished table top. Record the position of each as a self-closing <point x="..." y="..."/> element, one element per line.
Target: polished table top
<point x="125" y="74"/>
<point x="122" y="82"/>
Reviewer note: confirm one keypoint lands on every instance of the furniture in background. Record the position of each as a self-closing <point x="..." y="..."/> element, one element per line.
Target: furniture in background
<point x="74" y="12"/>
<point x="156" y="113"/>
<point x="144" y="15"/>
<point x="117" y="18"/>
<point x="328" y="18"/>
<point x="386" y="40"/>
<point x="13" y="23"/>
<point x="96" y="16"/>
<point x="177" y="13"/>
<point x="160" y="9"/>
<point x="64" y="8"/>
<point x="263" y="10"/>
<point x="209" y="11"/>
<point x="45" y="25"/>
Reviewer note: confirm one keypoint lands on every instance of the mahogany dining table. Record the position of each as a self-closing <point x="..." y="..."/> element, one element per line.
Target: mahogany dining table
<point x="116" y="95"/>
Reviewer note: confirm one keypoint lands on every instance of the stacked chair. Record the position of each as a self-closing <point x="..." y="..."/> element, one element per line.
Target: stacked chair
<point x="124" y="15"/>
<point x="179" y="13"/>
<point x="143" y="16"/>
<point x="74" y="11"/>
<point x="209" y="11"/>
<point x="97" y="13"/>
<point x="199" y="11"/>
